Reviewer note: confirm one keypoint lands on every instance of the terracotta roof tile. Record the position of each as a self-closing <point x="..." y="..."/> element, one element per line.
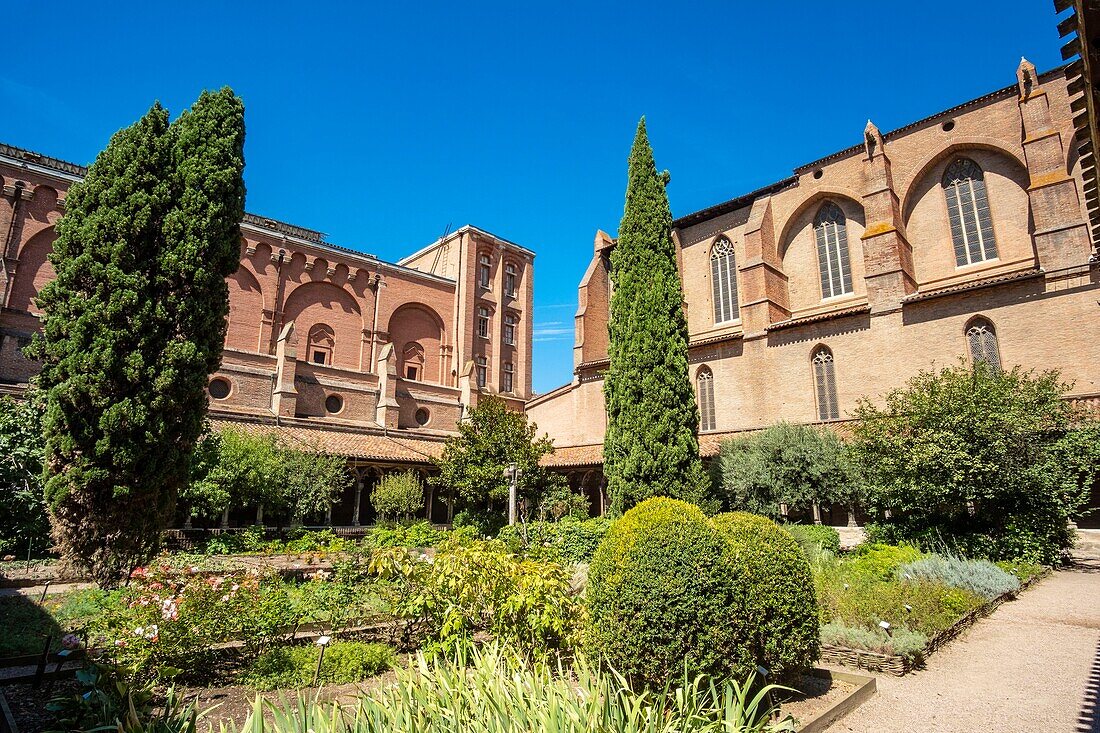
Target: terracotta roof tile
<point x="353" y="444"/>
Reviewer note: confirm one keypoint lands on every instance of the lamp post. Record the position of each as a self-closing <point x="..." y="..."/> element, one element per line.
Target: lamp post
<point x="512" y="473"/>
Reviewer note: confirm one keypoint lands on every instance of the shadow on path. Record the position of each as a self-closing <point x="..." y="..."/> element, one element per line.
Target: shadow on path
<point x="1088" y="720"/>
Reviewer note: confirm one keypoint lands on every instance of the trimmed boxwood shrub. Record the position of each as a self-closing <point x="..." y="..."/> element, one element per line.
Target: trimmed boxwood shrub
<point x="659" y="595"/>
<point x="775" y="597"/>
<point x="814" y="536"/>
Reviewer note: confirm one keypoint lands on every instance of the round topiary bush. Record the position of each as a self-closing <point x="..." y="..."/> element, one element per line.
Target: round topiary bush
<point x="775" y="597"/>
<point x="659" y="594"/>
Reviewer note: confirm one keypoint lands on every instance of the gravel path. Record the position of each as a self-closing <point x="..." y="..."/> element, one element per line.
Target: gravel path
<point x="1034" y="665"/>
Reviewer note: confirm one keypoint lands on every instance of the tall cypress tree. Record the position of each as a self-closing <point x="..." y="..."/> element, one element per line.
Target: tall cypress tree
<point x="134" y="323"/>
<point x="650" y="447"/>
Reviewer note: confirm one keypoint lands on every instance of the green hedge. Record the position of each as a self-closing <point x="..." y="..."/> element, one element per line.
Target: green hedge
<point x="659" y="595"/>
<point x="569" y="540"/>
<point x="813" y="537"/>
<point x="775" y="595"/>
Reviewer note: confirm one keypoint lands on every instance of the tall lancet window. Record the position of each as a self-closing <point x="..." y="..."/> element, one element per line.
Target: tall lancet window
<point x="828" y="407"/>
<point x="723" y="275"/>
<point x="705" y="382"/>
<point x="831" y="232"/>
<point x="968" y="213"/>
<point x="982" y="339"/>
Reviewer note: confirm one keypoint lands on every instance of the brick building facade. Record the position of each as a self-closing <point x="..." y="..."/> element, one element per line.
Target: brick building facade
<point x="334" y="349"/>
<point x="963" y="235"/>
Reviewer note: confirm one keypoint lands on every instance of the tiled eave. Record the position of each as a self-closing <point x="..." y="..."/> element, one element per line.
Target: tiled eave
<point x="1018" y="276"/>
<point x="716" y="339"/>
<point x="817" y="317"/>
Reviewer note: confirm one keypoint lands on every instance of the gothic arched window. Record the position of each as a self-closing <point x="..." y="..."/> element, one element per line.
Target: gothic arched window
<point x="831" y="233"/>
<point x="322" y="342"/>
<point x="982" y="340"/>
<point x="828" y="408"/>
<point x="723" y="275"/>
<point x="705" y="383"/>
<point x="968" y="213"/>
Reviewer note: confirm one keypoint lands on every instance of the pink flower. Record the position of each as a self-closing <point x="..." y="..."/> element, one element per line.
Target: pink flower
<point x="138" y="573"/>
<point x="71" y="641"/>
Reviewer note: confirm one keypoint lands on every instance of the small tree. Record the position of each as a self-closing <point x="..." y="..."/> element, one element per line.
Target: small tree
<point x="23" y="523"/>
<point x="651" y="446"/>
<point x="398" y="495"/>
<point x="975" y="459"/>
<point x="797" y="465"/>
<point x="309" y="481"/>
<point x="473" y="462"/>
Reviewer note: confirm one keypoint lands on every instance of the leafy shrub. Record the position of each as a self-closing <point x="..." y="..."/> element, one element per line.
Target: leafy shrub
<point x="495" y="691"/>
<point x="983" y="461"/>
<point x="479" y="586"/>
<point x="901" y="641"/>
<point x="1024" y="571"/>
<point x="815" y="537"/>
<point x="107" y="702"/>
<point x="775" y="598"/>
<point x="398" y="495"/>
<point x="980" y="577"/>
<point x="485" y="523"/>
<point x="344" y="661"/>
<point x="659" y="595"/>
<point x="570" y="540"/>
<point x="881" y="561"/>
<point x="420" y="534"/>
<point x="250" y="539"/>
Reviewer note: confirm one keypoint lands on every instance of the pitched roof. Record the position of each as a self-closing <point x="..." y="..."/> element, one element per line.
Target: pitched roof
<point x="381" y="446"/>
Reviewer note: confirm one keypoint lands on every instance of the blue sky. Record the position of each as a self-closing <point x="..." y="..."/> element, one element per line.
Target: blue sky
<point x="385" y="125"/>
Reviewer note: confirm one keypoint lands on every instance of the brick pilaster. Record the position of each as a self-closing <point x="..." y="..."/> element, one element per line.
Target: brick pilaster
<point x="1061" y="235"/>
<point x="887" y="254"/>
<point x="765" y="295"/>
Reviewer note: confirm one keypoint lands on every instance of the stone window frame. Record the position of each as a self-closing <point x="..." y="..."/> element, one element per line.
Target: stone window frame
<point x="833" y="257"/>
<point x="507" y="376"/>
<point x="823" y="366"/>
<point x="982" y="344"/>
<point x="704" y="382"/>
<point x="321" y="340"/>
<point x="969" y="215"/>
<point x="484" y="270"/>
<point x="723" y="274"/>
<point x="481" y="370"/>
<point x="511" y="279"/>
<point x="484" y="321"/>
<point x="511" y="321"/>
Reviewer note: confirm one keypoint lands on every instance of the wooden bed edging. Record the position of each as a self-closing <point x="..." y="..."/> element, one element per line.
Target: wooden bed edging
<point x="865" y="687"/>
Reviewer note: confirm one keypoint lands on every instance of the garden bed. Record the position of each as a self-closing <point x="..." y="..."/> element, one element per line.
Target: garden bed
<point x="899" y="665"/>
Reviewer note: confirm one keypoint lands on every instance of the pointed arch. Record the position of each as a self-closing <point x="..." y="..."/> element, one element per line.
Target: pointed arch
<point x="981" y="339"/>
<point x="824" y="372"/>
<point x="968" y="212"/>
<point x="704" y="382"/>
<point x="833" y="261"/>
<point x="723" y="275"/>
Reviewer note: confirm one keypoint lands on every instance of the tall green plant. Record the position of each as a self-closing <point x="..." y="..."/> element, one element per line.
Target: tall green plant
<point x="134" y="324"/>
<point x="398" y="495"/>
<point x="650" y="446"/>
<point x="495" y="691"/>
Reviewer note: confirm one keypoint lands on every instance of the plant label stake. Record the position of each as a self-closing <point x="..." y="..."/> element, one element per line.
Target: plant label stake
<point x="321" y="642"/>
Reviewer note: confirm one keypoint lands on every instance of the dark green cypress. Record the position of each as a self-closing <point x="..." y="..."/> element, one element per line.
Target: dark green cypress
<point x="651" y="447"/>
<point x="134" y="323"/>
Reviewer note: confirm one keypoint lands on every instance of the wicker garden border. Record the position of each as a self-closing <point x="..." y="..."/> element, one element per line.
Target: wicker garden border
<point x="897" y="665"/>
